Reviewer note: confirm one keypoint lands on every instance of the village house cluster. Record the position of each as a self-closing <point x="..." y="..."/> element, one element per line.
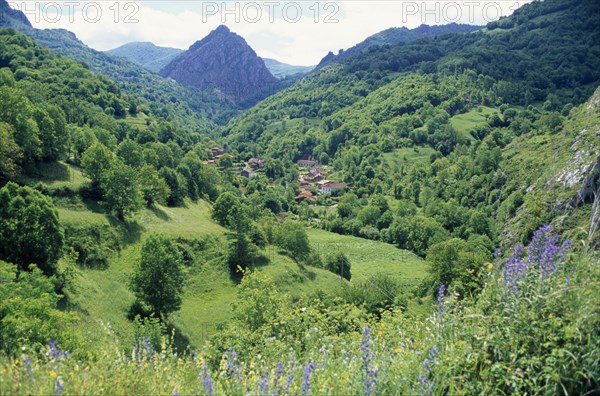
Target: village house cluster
<point x="315" y="181"/>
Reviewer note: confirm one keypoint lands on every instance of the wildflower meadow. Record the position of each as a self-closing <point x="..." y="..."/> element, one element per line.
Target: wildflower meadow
<point x="534" y="329"/>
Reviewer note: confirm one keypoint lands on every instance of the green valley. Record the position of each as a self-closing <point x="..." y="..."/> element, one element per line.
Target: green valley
<point x="418" y="215"/>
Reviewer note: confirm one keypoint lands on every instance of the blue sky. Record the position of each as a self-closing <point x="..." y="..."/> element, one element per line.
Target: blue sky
<point x="296" y="32"/>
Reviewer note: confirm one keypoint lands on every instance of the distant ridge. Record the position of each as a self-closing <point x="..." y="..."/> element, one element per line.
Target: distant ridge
<point x="146" y="54"/>
<point x="394" y="36"/>
<point x="10" y="17"/>
<point x="282" y="70"/>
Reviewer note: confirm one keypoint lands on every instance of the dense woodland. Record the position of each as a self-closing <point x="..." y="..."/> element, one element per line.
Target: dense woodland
<point x="468" y="222"/>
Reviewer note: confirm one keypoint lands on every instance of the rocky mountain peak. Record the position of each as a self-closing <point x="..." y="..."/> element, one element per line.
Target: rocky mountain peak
<point x="222" y="61"/>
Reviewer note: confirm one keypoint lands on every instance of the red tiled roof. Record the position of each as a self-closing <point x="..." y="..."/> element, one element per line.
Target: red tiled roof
<point x="335" y="185"/>
<point x="305" y="195"/>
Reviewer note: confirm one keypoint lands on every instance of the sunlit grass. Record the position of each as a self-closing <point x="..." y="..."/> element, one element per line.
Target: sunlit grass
<point x="465" y="123"/>
<point x="407" y="156"/>
<point x="369" y="258"/>
<point x="53" y="174"/>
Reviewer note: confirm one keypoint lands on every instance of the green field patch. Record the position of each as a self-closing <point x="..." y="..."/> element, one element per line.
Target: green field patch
<point x="465" y="123"/>
<point x="190" y="221"/>
<point x="140" y="120"/>
<point x="54" y="175"/>
<point x="407" y="155"/>
<point x="369" y="258"/>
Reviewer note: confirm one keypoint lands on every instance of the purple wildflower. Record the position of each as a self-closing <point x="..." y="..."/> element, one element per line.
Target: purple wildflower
<point x="544" y="254"/>
<point x="147" y="344"/>
<point x="426" y="384"/>
<point x="233" y="369"/>
<point x="55" y="353"/>
<point x="308" y="369"/>
<point x="279" y="371"/>
<point x="433" y="352"/>
<point x="263" y="384"/>
<point x="143" y="349"/>
<point x="207" y="381"/>
<point x="514" y="269"/>
<point x="365" y="346"/>
<point x="277" y="379"/>
<point x="370" y="373"/>
<point x="440" y="298"/>
<point x="371" y="380"/>
<point x="175" y="393"/>
<point x="27" y="362"/>
<point x="58" y="386"/>
<point x="288" y="384"/>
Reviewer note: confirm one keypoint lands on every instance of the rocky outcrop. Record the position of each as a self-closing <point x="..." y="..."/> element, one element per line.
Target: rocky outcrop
<point x="222" y="62"/>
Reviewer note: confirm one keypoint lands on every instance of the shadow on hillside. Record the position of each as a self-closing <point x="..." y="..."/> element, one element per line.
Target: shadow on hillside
<point x="304" y="269"/>
<point x="261" y="261"/>
<point x="181" y="342"/>
<point x="306" y="272"/>
<point x="91" y="202"/>
<point x="159" y="212"/>
<point x="49" y="171"/>
<point x="130" y="230"/>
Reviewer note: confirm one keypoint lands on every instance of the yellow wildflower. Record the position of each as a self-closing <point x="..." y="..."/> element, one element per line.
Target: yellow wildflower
<point x="398" y="350"/>
<point x="379" y="332"/>
<point x="53" y="374"/>
<point x="490" y="266"/>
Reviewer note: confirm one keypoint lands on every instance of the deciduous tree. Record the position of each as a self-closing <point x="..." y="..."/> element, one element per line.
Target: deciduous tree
<point x="121" y="190"/>
<point x="30" y="232"/>
<point x="158" y="278"/>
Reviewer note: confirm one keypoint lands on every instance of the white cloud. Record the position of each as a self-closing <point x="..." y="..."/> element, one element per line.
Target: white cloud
<point x="292" y="32"/>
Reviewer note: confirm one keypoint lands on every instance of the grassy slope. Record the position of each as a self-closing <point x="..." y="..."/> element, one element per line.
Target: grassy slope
<point x="103" y="296"/>
<point x="53" y="175"/>
<point x="466" y="122"/>
<point x="369" y="257"/>
<point x="408" y="155"/>
<point x="139" y="120"/>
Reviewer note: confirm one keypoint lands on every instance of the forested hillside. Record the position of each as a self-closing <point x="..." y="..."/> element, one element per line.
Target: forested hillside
<point x="420" y="218"/>
<point x="458" y="102"/>
<point x="163" y="98"/>
<point x="395" y="36"/>
<point x="56" y="109"/>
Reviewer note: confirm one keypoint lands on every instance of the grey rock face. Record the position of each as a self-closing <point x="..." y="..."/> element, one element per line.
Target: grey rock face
<point x="224" y="62"/>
